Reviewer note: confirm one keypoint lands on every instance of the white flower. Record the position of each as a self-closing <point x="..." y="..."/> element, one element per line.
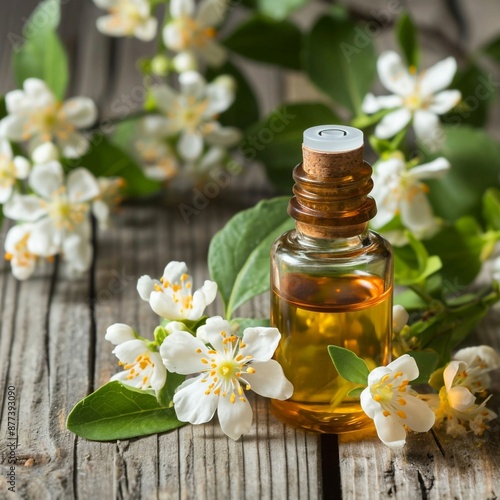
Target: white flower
<point x="34" y="114"/>
<point x="154" y="153"/>
<point x="399" y="190"/>
<point x="127" y="18"/>
<point x="399" y="318"/>
<point x="108" y="197"/>
<point x="458" y="407"/>
<point x="143" y="367"/>
<point x="228" y="367"/>
<point x="192" y="112"/>
<point x="22" y="261"/>
<point x="172" y="296"/>
<point x="45" y="153"/>
<point x="58" y="212"/>
<point x="11" y="168"/>
<point x="479" y="361"/>
<point x="420" y="97"/>
<point x="189" y="32"/>
<point x="393" y="405"/>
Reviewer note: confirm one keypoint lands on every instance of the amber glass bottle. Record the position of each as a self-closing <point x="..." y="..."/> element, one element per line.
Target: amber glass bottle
<point x="331" y="282"/>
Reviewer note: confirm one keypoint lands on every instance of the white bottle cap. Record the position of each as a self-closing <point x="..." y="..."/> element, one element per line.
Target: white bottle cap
<point x="332" y="138"/>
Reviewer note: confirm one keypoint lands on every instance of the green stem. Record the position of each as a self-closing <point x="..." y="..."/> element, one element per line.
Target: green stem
<point x="422" y="293"/>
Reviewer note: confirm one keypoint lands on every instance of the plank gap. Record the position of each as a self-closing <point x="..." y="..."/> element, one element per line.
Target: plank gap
<point x="330" y="467"/>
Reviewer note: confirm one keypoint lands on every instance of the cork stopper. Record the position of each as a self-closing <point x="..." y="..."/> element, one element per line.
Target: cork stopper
<point x="332" y="184"/>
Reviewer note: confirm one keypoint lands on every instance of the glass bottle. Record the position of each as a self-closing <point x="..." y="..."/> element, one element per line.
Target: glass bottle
<point x="331" y="282"/>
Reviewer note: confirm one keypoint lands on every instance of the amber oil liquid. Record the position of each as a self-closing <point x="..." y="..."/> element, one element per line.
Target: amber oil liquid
<point x="312" y="312"/>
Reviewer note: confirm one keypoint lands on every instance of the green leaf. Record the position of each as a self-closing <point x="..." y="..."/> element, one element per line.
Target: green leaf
<point x="349" y="366"/>
<point x="279" y="10"/>
<point x="478" y="94"/>
<point x="238" y="257"/>
<point x="492" y="49"/>
<point x="265" y="40"/>
<point x="245" y="109"/>
<point x="40" y="54"/>
<point x="106" y="160"/>
<point x="475" y="163"/>
<point x="166" y="393"/>
<point x="412" y="263"/>
<point x="340" y="59"/>
<point x="239" y="324"/>
<point x="407" y="35"/>
<point x="459" y="248"/>
<point x="276" y="141"/>
<point x="491" y="208"/>
<point x="426" y="362"/>
<point x="116" y="411"/>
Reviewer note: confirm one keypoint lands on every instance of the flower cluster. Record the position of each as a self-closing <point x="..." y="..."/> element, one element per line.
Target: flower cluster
<point x="226" y="365"/>
<point x="51" y="209"/>
<point x="466" y="377"/>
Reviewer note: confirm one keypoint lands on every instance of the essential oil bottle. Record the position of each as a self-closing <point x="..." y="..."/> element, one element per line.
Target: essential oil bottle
<point x="331" y="281"/>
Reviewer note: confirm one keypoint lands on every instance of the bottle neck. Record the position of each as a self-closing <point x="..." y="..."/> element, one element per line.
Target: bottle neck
<point x="314" y="237"/>
<point x="331" y="195"/>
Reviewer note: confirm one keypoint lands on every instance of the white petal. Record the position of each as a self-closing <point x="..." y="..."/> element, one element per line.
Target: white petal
<point x="394" y="75"/>
<point x="184" y="61"/>
<point x="12" y="127"/>
<point x="22" y="271"/>
<point x="437" y="77"/>
<point x="15" y="235"/>
<point x="405" y="364"/>
<point x="261" y="342"/>
<point x="5" y="148"/>
<point x="82" y="185"/>
<point x="146" y="286"/>
<point x="101" y="212"/>
<point x="460" y="398"/>
<point x="399" y="318"/>
<point x="127" y="352"/>
<point x="212" y="158"/>
<point x="376" y="374"/>
<point x="269" y="380"/>
<point x="164" y="97"/>
<point x="192" y="84"/>
<point x="38" y="90"/>
<point x="190" y="145"/>
<point x="74" y="145"/>
<point x="108" y="25"/>
<point x="78" y="252"/>
<point x="427" y="129"/>
<point x="106" y="4"/>
<point x="174" y="270"/>
<point x="211" y="12"/>
<point x="235" y="418"/>
<point x="202" y="298"/>
<point x="179" y="353"/>
<point x="369" y="405"/>
<point x="45" y="153"/>
<point x="165" y="306"/>
<point x="210" y="332"/>
<point x="192" y="404"/>
<point x="392" y="123"/>
<point x="173" y="38"/>
<point x="182" y="8"/>
<point x="444" y="101"/>
<point x="485" y="353"/>
<point x="220" y="93"/>
<point x="16" y="101"/>
<point x="372" y="104"/>
<point x="225" y="137"/>
<point x="419" y="417"/>
<point x="416" y="212"/>
<point x="159" y="376"/>
<point x="46" y="179"/>
<point x="80" y="111"/>
<point x="214" y="53"/>
<point x="119" y="333"/>
<point x="5" y="193"/>
<point x="435" y="169"/>
<point x="450" y="371"/>
<point x="146" y="31"/>
<point x="156" y="126"/>
<point x="24" y="208"/>
<point x="45" y="238"/>
<point x="390" y="432"/>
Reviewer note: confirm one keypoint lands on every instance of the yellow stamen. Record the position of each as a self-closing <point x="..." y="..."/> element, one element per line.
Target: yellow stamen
<point x="250" y="370"/>
<point x="401" y="414"/>
<point x="386" y="413"/>
<point x="232" y="398"/>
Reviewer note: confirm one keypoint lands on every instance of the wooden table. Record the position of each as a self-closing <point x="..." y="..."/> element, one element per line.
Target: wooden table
<point x="53" y="351"/>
